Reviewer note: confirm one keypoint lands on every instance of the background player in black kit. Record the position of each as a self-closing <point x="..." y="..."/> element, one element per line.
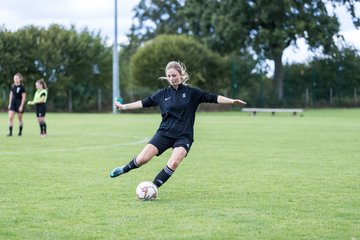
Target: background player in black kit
<point x="178" y="104"/>
<point x="17" y="98"/>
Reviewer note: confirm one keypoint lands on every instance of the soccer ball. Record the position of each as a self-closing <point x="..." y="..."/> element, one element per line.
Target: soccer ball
<point x="146" y="191"/>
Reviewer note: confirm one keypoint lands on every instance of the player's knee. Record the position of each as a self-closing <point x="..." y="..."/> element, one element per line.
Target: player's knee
<point x="174" y="163"/>
<point x="142" y="159"/>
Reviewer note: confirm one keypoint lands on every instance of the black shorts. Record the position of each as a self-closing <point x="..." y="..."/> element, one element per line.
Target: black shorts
<point x="162" y="143"/>
<point x="15" y="104"/>
<point x="40" y="110"/>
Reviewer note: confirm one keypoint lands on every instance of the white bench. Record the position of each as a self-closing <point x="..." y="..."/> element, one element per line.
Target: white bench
<point x="294" y="111"/>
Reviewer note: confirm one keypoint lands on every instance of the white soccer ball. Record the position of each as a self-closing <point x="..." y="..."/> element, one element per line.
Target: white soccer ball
<point x="146" y="191"/>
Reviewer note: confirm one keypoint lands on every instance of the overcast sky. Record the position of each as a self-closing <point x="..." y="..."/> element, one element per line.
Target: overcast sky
<point x="98" y="15"/>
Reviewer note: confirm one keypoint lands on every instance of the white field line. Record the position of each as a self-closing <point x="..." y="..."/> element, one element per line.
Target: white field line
<point x="37" y="151"/>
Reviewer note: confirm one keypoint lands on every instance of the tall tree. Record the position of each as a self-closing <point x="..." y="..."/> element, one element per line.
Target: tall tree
<point x="277" y="26"/>
<point x="262" y="26"/>
<point x="158" y="17"/>
<point x="71" y="61"/>
<point x="269" y="28"/>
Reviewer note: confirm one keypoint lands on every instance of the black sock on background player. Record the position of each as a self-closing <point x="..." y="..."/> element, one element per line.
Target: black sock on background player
<point x="42" y="128"/>
<point x="20" y="130"/>
<point x="10" y="131"/>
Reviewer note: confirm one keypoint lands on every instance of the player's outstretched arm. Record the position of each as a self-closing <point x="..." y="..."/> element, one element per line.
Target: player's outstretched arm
<point x="128" y="106"/>
<point x="226" y="100"/>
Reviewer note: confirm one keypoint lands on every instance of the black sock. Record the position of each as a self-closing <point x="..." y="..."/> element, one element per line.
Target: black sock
<point x="10" y="130"/>
<point x="20" y="129"/>
<point x="131" y="165"/>
<point x="41" y="128"/>
<point x="44" y="128"/>
<point x="163" y="176"/>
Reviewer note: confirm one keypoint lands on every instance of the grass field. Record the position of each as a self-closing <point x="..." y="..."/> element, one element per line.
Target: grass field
<point x="263" y="177"/>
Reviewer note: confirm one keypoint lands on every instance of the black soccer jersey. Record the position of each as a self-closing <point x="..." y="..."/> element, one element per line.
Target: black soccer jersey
<point x="17" y="91"/>
<point x="178" y="109"/>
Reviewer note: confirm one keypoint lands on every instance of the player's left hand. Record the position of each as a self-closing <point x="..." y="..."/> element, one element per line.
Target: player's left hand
<point x="118" y="105"/>
<point x="239" y="102"/>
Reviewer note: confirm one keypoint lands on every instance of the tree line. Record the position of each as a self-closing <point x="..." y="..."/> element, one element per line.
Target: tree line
<point x="73" y="63"/>
<point x="263" y="27"/>
<point x="224" y="47"/>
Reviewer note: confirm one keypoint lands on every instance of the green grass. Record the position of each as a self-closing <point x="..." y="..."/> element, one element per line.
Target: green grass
<point x="263" y="177"/>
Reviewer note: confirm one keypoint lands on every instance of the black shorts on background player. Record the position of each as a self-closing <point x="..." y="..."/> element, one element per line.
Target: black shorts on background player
<point x="15" y="105"/>
<point x="40" y="110"/>
<point x="17" y="92"/>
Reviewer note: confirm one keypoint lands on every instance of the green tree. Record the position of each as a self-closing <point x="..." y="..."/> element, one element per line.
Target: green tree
<point x="340" y="73"/>
<point x="258" y="25"/>
<point x="207" y="69"/>
<point x="11" y="58"/>
<point x="269" y="28"/>
<point x="75" y="64"/>
<point x="158" y="17"/>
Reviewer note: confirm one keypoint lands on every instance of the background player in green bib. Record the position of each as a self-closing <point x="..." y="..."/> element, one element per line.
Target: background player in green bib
<point x="40" y="102"/>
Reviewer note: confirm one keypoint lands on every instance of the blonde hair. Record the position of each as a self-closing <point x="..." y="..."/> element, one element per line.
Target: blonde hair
<point x="178" y="66"/>
<point x="20" y="76"/>
<point x="42" y="82"/>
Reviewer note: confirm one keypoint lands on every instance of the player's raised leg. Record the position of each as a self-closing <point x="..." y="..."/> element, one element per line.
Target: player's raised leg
<point x="145" y="156"/>
<point x="178" y="154"/>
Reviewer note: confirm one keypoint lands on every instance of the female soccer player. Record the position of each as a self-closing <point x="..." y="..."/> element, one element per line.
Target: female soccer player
<point x="178" y="104"/>
<point x="40" y="102"/>
<point x="17" y="98"/>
